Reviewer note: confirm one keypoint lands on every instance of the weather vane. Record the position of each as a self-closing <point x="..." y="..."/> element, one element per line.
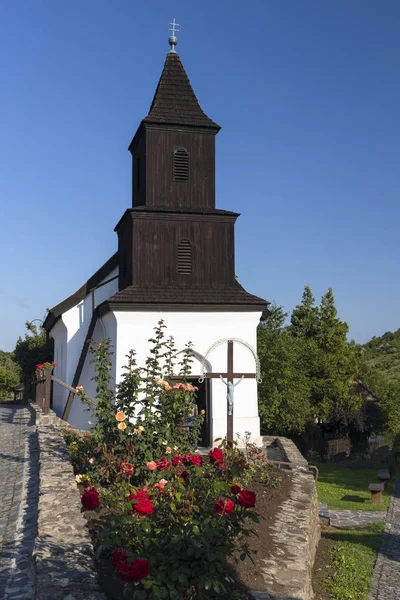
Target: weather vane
<point x="173" y="40"/>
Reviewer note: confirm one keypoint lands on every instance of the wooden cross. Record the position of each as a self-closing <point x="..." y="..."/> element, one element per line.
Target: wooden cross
<point x="230" y="375"/>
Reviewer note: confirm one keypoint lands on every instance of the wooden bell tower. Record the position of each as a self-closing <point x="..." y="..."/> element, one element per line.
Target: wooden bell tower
<point x="175" y="248"/>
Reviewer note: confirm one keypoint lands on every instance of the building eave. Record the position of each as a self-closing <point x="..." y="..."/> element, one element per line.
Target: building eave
<point x="57" y="311"/>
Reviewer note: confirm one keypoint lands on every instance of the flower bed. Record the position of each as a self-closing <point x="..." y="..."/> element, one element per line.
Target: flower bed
<point x="167" y="520"/>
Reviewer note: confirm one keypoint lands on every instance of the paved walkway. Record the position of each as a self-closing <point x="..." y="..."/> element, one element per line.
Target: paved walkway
<point x="18" y="502"/>
<point x="350" y="518"/>
<point x="386" y="578"/>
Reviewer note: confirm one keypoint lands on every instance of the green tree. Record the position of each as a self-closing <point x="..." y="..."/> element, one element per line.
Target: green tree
<point x="304" y="319"/>
<point x="388" y="391"/>
<point x="336" y="367"/>
<point x="33" y="349"/>
<point x="284" y="394"/>
<point x="9" y="375"/>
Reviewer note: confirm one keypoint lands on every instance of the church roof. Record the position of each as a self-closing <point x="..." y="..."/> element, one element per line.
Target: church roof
<point x="232" y="297"/>
<point x="55" y="313"/>
<point x="175" y="102"/>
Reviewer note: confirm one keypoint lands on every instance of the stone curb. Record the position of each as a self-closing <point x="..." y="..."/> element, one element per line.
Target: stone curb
<point x="63" y="549"/>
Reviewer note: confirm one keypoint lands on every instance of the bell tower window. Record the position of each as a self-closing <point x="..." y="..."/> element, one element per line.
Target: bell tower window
<point x="181" y="165"/>
<point x="185" y="257"/>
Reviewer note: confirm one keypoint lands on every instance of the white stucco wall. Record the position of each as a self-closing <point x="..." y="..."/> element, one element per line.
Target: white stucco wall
<point x="132" y="330"/>
<point x="202" y="329"/>
<point x="105" y="328"/>
<point x="59" y="334"/>
<point x="69" y="334"/>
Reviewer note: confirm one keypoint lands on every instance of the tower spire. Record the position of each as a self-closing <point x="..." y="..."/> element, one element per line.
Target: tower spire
<point x="173" y="40"/>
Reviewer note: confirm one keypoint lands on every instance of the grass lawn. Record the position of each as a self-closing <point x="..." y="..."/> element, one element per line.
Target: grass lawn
<point x="345" y="488"/>
<point x="345" y="563"/>
<point x="352" y="560"/>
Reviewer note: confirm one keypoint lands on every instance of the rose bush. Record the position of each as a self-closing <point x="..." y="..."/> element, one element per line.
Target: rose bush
<point x="170" y="517"/>
<point x="185" y="527"/>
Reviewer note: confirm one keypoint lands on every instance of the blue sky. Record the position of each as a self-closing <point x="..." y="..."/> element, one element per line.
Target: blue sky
<point x="307" y="94"/>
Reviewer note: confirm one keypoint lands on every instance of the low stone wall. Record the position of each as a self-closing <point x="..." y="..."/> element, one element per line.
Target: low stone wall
<point x="287" y="573"/>
<point x="63" y="548"/>
<point x="288" y="449"/>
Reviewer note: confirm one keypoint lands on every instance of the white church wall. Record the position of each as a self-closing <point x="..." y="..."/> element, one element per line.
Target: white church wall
<point x="69" y="334"/>
<point x="59" y="334"/>
<point x="105" y="328"/>
<point x="202" y="329"/>
<point x="77" y="321"/>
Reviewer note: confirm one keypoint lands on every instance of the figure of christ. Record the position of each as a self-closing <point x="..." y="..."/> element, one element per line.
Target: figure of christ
<point x="230" y="388"/>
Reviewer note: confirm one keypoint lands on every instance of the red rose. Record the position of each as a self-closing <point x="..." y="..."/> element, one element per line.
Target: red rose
<point x="90" y="499"/>
<point x="177" y="459"/>
<point x="86" y="484"/>
<point x="197" y="460"/>
<point x="144" y="505"/>
<point x="192" y="459"/>
<point x="118" y="555"/>
<point x="139" y="569"/>
<point x="163" y="464"/>
<point x="184" y="475"/>
<point x="235" y="489"/>
<point x="224" y="506"/>
<point x="127" y="469"/>
<point x="247" y="499"/>
<point x="132" y="571"/>
<point x="260" y="457"/>
<point x="217" y="456"/>
<point x="121" y="568"/>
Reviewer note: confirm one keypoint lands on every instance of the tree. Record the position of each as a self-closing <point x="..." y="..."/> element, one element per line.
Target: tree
<point x="304" y="319"/>
<point x="388" y="391"/>
<point x="336" y="367"/>
<point x="33" y="349"/>
<point x="9" y="375"/>
<point x="284" y="394"/>
<point x="308" y="368"/>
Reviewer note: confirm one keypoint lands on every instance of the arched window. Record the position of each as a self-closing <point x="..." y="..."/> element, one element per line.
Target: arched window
<point x="181" y="165"/>
<point x="185" y="258"/>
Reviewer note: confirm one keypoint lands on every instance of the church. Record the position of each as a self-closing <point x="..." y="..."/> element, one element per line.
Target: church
<point x="175" y="261"/>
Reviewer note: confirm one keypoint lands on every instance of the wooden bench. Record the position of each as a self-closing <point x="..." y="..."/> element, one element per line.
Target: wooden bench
<point x="384" y="476"/>
<point x="376" y="490"/>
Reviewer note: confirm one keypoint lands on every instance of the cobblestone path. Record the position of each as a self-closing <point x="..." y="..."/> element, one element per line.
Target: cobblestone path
<point x="18" y="502"/>
<point x="386" y="578"/>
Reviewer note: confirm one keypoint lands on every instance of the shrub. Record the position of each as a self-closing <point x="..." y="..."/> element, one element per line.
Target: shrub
<point x="171" y="518"/>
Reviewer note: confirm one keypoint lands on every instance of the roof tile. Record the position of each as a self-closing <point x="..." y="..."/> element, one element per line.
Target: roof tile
<point x="175" y="102"/>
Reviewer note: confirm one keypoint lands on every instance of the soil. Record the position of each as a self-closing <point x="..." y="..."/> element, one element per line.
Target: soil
<point x="322" y="571"/>
<point x="269" y="500"/>
<point x="248" y="572"/>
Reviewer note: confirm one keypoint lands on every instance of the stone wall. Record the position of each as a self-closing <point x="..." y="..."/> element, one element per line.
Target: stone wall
<point x="63" y="548"/>
<point x="287" y="573"/>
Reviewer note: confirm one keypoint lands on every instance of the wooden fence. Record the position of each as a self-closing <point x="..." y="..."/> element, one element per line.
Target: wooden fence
<point x="42" y="385"/>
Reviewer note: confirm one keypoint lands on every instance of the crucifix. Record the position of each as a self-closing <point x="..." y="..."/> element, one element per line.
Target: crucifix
<point x="230" y="376"/>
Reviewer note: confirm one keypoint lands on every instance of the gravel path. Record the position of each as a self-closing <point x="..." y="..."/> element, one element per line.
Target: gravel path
<point x="18" y="502"/>
<point x="386" y="578"/>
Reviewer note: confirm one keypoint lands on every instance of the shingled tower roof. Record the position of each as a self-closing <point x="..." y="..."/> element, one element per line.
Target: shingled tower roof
<point x="175" y="102"/>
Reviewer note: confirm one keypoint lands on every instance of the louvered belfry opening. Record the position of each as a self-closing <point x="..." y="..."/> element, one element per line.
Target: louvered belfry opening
<point x="185" y="257"/>
<point x="181" y="165"/>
